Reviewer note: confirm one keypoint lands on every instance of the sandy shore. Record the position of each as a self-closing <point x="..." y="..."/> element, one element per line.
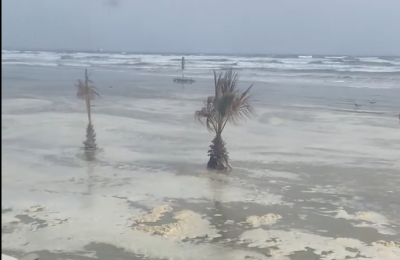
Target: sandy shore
<point x="313" y="177"/>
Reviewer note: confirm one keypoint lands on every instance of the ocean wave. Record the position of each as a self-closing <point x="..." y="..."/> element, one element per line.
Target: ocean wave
<point x="298" y="64"/>
<point x="66" y="57"/>
<point x="370" y="63"/>
<point x="215" y="60"/>
<point x="39" y="64"/>
<point x="355" y="62"/>
<point x="332" y="70"/>
<point x="304" y="57"/>
<point x="316" y="62"/>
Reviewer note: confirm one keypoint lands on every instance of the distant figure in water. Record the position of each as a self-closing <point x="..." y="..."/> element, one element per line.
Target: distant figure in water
<point x="399" y="117"/>
<point x="357" y="105"/>
<point x="371" y="101"/>
<point x="110" y="86"/>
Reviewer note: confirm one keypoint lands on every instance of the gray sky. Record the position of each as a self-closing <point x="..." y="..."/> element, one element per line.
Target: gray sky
<point x="370" y="27"/>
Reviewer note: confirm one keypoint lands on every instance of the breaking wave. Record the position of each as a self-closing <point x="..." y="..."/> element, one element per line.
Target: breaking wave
<point x="264" y="66"/>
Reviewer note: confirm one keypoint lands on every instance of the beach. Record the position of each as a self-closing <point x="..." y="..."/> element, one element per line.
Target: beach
<point x="314" y="177"/>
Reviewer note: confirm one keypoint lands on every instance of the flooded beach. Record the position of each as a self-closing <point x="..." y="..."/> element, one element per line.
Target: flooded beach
<point x="314" y="177"/>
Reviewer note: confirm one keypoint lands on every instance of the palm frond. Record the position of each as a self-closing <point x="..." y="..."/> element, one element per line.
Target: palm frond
<point x="226" y="82"/>
<point x="206" y="115"/>
<point x="224" y="103"/>
<point x="227" y="105"/>
<point x="86" y="91"/>
<point x="233" y="104"/>
<point x="216" y="80"/>
<point x="241" y="108"/>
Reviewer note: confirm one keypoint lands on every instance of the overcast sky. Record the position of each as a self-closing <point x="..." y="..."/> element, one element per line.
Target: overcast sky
<point x="369" y="27"/>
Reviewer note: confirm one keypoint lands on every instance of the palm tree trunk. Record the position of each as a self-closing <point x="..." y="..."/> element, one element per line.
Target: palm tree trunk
<point x="88" y="110"/>
<point x="218" y="154"/>
<point x="90" y="142"/>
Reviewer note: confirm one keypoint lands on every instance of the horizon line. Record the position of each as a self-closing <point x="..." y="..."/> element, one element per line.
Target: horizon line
<point x="193" y="53"/>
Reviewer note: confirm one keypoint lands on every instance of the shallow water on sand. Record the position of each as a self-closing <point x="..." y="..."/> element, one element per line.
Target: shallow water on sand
<point x="326" y="173"/>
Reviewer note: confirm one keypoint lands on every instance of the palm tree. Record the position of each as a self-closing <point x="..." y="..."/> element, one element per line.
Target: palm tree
<point x="227" y="105"/>
<point x="87" y="92"/>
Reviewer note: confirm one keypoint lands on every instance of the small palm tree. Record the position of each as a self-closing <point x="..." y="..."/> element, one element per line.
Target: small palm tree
<point x="87" y="92"/>
<point x="227" y="105"/>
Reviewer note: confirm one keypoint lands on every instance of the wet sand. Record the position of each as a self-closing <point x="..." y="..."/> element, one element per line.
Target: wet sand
<point x="328" y="172"/>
